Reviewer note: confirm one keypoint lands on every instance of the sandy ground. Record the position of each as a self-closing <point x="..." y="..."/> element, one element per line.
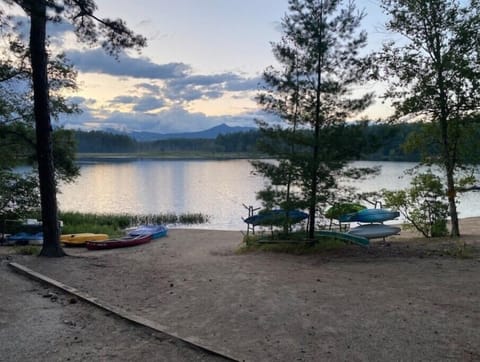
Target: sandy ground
<point x="408" y="299"/>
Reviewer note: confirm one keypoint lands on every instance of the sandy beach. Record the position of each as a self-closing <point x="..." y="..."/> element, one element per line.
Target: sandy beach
<point x="407" y="299"/>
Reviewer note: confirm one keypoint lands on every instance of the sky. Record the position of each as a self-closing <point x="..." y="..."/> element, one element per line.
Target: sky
<point x="201" y="67"/>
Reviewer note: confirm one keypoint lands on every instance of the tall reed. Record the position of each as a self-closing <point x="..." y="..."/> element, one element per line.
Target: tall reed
<point x="114" y="224"/>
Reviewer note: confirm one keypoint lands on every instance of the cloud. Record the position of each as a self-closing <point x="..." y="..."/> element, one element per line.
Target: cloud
<point x="59" y="29"/>
<point x="179" y="84"/>
<point x="204" y="80"/>
<point x="194" y="87"/>
<point x="160" y="102"/>
<point x="190" y="93"/>
<point x="124" y="100"/>
<point x="152" y="88"/>
<point x="167" y="120"/>
<point x="248" y="84"/>
<point x="178" y="119"/>
<point x="146" y="104"/>
<point x="82" y="100"/>
<point x="226" y="81"/>
<point x="140" y="104"/>
<point x="97" y="61"/>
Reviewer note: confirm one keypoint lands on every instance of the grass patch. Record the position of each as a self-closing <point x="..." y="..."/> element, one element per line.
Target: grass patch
<point x="114" y="224"/>
<point x="294" y="243"/>
<point x="110" y="224"/>
<point x="461" y="251"/>
<point x="27" y="250"/>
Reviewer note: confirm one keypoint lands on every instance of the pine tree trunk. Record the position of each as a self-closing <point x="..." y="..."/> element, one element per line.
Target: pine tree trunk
<point x="318" y="120"/>
<point x="43" y="127"/>
<point x="314" y="185"/>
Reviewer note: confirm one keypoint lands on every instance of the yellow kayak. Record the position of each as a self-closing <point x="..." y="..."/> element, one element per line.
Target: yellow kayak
<point x="81" y="239"/>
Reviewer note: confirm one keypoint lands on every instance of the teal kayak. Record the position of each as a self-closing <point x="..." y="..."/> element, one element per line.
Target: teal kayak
<point x="375" y="231"/>
<point x="276" y="217"/>
<point x="355" y="239"/>
<point x="370" y="215"/>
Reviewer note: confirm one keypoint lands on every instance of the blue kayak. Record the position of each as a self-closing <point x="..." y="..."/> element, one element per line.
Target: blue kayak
<point x="276" y="217"/>
<point x="156" y="231"/>
<point x="370" y="215"/>
<point x="24" y="238"/>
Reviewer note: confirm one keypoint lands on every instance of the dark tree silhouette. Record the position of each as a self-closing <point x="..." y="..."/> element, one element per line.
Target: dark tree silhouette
<point x="312" y="95"/>
<point x="435" y="76"/>
<point x="112" y="35"/>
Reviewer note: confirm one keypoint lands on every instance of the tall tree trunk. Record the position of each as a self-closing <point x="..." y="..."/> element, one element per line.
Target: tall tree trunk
<point x="318" y="120"/>
<point x="448" y="153"/>
<point x="43" y="127"/>
<point x="451" y="194"/>
<point x="314" y="185"/>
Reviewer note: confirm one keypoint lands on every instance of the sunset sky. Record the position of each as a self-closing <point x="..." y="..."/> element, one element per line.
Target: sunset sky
<point x="201" y="67"/>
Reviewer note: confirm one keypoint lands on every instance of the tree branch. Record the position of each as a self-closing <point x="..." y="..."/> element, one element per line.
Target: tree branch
<point x="467" y="189"/>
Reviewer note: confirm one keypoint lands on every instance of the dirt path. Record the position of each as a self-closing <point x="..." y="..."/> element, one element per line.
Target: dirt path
<point x="399" y="301"/>
<point x="39" y="323"/>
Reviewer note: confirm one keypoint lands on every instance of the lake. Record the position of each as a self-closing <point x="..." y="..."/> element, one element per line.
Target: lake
<point x="215" y="188"/>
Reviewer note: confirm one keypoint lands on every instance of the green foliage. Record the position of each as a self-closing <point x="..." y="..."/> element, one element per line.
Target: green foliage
<point x="18" y="194"/>
<point x="389" y="140"/>
<point x="112" y="35"/>
<point x="311" y="93"/>
<point x="374" y="142"/>
<point x="19" y="191"/>
<point x="64" y="145"/>
<point x="237" y="142"/>
<point x="461" y="251"/>
<point x="434" y="77"/>
<point x="340" y="209"/>
<point x="293" y="243"/>
<point x="100" y="141"/>
<point x="105" y="142"/>
<point x="76" y="222"/>
<point x="27" y="250"/>
<point x="189" y="219"/>
<point x="114" y="224"/>
<point x="423" y="204"/>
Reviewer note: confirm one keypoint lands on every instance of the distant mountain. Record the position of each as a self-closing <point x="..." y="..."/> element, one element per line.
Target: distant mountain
<point x="210" y="133"/>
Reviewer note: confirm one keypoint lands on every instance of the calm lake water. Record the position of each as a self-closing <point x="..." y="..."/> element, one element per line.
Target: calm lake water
<point x="215" y="188"/>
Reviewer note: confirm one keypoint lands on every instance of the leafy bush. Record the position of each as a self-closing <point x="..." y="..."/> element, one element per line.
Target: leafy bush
<point x="338" y="210"/>
<point x="19" y="194"/>
<point x="424" y="204"/>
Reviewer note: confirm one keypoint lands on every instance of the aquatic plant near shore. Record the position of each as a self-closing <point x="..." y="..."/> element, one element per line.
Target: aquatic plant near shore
<point x="114" y="224"/>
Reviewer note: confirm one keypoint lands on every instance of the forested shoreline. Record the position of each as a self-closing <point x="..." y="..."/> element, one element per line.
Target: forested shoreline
<point x="383" y="142"/>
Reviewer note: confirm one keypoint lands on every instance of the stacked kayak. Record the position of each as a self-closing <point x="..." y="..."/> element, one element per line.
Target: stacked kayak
<point x="276" y="217"/>
<point x="374" y="229"/>
<point x="370" y="215"/>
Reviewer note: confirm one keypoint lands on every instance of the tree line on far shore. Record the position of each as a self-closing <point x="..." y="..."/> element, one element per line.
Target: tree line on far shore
<point x="382" y="142"/>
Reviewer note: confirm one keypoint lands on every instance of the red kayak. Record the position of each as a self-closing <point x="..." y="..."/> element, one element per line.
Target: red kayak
<point x="118" y="243"/>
